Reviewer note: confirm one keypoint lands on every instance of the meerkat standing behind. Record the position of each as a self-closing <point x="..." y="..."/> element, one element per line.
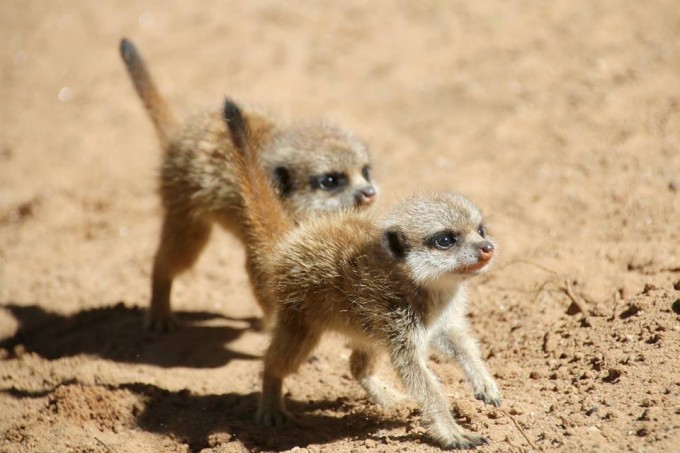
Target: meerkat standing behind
<point x="392" y="287"/>
<point x="314" y="167"/>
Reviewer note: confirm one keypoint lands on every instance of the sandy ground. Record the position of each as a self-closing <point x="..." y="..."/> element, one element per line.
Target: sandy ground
<point x="560" y="119"/>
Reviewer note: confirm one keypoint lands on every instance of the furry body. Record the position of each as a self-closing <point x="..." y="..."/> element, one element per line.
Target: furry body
<point x="314" y="167"/>
<point x="394" y="286"/>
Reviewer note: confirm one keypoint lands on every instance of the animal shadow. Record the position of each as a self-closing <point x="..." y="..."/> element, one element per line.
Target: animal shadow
<point x="217" y="420"/>
<point x="116" y="333"/>
<point x="204" y="421"/>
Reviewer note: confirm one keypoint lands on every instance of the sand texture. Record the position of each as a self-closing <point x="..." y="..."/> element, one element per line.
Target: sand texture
<point x="560" y="119"/>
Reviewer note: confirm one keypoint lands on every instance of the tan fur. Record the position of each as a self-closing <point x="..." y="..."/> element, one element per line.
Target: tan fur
<point x="391" y="285"/>
<point x="198" y="183"/>
<point x="163" y="119"/>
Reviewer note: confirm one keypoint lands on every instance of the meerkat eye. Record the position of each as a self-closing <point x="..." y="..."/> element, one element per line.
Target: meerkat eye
<point x="330" y="181"/>
<point x="366" y="172"/>
<point x="482" y="231"/>
<point x="444" y="241"/>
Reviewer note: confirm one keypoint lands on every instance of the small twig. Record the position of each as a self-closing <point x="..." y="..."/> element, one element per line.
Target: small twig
<point x="521" y="431"/>
<point x="615" y="306"/>
<point x="540" y="289"/>
<point x="570" y="292"/>
<point x="109" y="449"/>
<point x="525" y="261"/>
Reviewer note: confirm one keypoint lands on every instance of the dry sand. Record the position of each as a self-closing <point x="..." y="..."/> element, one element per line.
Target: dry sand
<point x="560" y="119"/>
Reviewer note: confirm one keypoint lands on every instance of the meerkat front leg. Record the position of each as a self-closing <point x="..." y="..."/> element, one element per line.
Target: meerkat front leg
<point x="291" y="344"/>
<point x="409" y="361"/>
<point x="454" y="339"/>
<point x="362" y="364"/>
<point x="180" y="245"/>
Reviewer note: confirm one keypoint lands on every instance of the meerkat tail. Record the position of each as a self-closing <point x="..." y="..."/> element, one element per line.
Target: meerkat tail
<point x="163" y="119"/>
<point x="262" y="211"/>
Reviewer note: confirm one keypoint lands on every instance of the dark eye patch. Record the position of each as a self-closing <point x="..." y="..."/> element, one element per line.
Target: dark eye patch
<point x="329" y="181"/>
<point x="443" y="240"/>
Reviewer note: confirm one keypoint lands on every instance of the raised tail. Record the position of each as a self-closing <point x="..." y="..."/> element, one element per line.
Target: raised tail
<point x="163" y="119"/>
<point x="265" y="219"/>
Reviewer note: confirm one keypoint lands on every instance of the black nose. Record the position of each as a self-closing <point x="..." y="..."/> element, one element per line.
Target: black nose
<point x="365" y="195"/>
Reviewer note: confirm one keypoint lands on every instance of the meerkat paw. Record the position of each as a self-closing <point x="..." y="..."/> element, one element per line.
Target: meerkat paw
<point x="380" y="393"/>
<point x="160" y="324"/>
<point x="468" y="441"/>
<point x="274" y="417"/>
<point x="388" y="397"/>
<point x="488" y="393"/>
<point x="451" y="436"/>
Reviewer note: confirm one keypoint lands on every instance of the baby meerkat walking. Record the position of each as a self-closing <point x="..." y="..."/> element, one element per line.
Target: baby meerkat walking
<point x="396" y="286"/>
<point x="314" y="167"/>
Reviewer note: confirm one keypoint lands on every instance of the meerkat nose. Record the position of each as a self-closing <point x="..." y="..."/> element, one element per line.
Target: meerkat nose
<point x="365" y="195"/>
<point x="486" y="251"/>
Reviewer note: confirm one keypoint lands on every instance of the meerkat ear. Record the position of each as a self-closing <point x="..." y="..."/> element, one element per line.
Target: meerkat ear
<point x="237" y="124"/>
<point x="394" y="241"/>
<point x="283" y="181"/>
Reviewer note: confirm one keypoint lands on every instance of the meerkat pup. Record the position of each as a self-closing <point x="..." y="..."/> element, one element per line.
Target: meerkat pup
<point x="394" y="285"/>
<point x="314" y="168"/>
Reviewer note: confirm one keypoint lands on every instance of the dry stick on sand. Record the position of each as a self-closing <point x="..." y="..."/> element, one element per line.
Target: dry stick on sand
<point x="519" y="428"/>
<point x="109" y="449"/>
<point x="540" y="289"/>
<point x="564" y="284"/>
<point x="579" y="305"/>
<point x="525" y="261"/>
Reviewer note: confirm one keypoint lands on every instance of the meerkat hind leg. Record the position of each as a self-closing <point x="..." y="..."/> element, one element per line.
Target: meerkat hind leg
<point x="362" y="364"/>
<point x="290" y="345"/>
<point x="180" y="246"/>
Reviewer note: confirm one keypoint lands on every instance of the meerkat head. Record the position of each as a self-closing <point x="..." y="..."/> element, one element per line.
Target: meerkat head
<point x="320" y="168"/>
<point x="439" y="237"/>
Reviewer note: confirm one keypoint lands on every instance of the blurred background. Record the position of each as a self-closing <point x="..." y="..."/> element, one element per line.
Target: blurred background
<point x="560" y="119"/>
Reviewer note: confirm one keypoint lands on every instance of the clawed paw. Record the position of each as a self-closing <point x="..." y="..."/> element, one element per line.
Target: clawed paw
<point x="161" y="324"/>
<point x="450" y="436"/>
<point x="468" y="441"/>
<point x="275" y="418"/>
<point x="489" y="394"/>
<point x="494" y="400"/>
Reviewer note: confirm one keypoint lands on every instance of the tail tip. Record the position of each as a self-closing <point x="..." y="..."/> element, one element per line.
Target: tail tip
<point x="127" y="49"/>
<point x="236" y="123"/>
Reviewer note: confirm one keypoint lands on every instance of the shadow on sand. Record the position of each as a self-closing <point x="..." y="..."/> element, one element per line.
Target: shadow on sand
<point x="203" y="421"/>
<point x="200" y="421"/>
<point x="116" y="333"/>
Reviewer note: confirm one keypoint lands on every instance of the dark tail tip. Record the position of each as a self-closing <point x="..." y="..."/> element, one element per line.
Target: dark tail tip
<point x="237" y="124"/>
<point x="128" y="50"/>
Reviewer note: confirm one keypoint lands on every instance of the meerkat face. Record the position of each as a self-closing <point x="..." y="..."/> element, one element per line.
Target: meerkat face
<point x="320" y="168"/>
<point x="439" y="238"/>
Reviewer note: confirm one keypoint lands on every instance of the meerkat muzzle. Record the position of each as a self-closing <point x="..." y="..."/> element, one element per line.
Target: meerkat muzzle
<point x="365" y="196"/>
<point x="486" y="251"/>
<point x="481" y="264"/>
